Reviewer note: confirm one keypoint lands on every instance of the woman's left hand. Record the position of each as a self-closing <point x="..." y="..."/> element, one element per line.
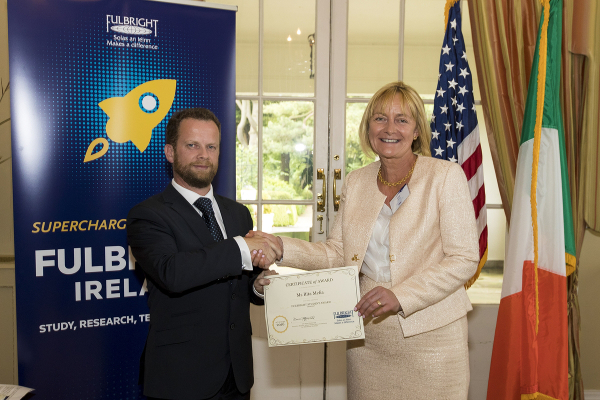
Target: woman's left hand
<point x="261" y="280"/>
<point x="378" y="301"/>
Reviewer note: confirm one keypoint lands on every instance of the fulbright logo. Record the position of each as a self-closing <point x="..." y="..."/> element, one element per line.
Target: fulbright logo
<point x="131" y="25"/>
<point x="341" y="315"/>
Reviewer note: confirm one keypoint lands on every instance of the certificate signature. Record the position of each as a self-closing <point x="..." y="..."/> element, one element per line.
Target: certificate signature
<point x="313" y="307"/>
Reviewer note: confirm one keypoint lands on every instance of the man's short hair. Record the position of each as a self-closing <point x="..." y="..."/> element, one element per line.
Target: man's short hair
<point x="201" y="114"/>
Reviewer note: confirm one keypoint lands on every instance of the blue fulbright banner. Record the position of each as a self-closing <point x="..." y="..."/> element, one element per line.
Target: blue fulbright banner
<point x="93" y="85"/>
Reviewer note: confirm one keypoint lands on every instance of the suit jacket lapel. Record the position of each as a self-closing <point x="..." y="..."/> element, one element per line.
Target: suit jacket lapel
<point x="228" y="218"/>
<point x="369" y="208"/>
<point x="188" y="214"/>
<point x="229" y="224"/>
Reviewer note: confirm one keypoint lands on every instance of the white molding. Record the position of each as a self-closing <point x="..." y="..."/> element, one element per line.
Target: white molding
<point x="591" y="394"/>
<point x="338" y="73"/>
<point x="321" y="135"/>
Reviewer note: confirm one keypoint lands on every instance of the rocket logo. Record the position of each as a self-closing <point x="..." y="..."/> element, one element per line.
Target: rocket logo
<point x="133" y="116"/>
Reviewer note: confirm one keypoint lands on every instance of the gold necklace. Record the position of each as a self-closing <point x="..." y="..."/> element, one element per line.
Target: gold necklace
<point x="400" y="182"/>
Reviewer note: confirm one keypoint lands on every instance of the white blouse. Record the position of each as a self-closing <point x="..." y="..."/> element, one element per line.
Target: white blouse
<point x="376" y="264"/>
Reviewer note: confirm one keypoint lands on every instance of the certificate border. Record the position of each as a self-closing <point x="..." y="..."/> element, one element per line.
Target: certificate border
<point x="359" y="331"/>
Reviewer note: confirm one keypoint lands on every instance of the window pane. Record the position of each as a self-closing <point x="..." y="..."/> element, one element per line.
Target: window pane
<point x="288" y="133"/>
<point x="287" y="47"/>
<point x="429" y="112"/>
<point x="372" y="45"/>
<point x="423" y="38"/>
<point x="246" y="149"/>
<point x="287" y="220"/>
<point x="291" y="220"/>
<point x="355" y="157"/>
<point x="246" y="42"/>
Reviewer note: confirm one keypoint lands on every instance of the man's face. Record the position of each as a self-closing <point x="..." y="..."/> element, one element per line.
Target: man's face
<point x="195" y="157"/>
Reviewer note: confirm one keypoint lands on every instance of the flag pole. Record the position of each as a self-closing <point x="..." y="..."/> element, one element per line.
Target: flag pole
<point x="541" y="90"/>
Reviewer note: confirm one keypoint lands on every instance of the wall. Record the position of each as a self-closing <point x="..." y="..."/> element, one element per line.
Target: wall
<point x="6" y="217"/>
<point x="589" y="303"/>
<point x="8" y="341"/>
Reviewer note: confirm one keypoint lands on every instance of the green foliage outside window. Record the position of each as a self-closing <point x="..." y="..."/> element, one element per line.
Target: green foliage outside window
<point x="355" y="157"/>
<point x="287" y="157"/>
<point x="288" y="139"/>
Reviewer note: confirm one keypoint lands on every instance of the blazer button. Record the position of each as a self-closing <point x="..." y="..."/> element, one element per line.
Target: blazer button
<point x="232" y="326"/>
<point x="233" y="296"/>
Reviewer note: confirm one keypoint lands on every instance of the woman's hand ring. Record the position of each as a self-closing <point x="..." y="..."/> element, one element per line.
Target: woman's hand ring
<point x="379" y="303"/>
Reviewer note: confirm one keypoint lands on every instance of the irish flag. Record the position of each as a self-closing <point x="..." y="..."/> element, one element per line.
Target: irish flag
<point x="530" y="355"/>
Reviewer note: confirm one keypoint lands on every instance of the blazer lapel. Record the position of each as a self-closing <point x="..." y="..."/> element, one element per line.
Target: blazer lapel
<point x="187" y="213"/>
<point x="368" y="209"/>
<point x="414" y="187"/>
<point x="229" y="224"/>
<point x="228" y="219"/>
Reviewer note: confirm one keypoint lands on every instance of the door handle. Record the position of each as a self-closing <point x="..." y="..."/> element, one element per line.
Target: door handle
<point x="320" y="219"/>
<point x="337" y="175"/>
<point x="321" y="196"/>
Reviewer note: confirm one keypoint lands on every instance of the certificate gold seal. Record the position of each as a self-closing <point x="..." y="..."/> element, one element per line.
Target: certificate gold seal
<point x="280" y="324"/>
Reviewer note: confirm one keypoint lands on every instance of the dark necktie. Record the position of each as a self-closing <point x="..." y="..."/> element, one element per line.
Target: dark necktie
<point x="204" y="204"/>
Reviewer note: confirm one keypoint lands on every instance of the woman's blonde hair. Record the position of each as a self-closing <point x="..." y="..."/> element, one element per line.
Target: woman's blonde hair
<point x="411" y="102"/>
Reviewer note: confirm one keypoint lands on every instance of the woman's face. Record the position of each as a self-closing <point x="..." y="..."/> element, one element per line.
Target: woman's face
<point x="392" y="131"/>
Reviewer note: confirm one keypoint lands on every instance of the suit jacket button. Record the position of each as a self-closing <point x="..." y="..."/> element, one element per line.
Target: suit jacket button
<point x="233" y="296"/>
<point x="232" y="326"/>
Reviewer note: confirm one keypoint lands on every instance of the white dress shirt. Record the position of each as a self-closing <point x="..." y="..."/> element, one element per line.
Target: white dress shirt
<point x="191" y="198"/>
<point x="376" y="264"/>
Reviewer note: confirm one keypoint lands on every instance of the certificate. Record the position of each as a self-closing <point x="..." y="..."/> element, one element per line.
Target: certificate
<point x="313" y="307"/>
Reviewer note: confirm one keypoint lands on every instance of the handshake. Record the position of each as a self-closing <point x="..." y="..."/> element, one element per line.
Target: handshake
<point x="265" y="248"/>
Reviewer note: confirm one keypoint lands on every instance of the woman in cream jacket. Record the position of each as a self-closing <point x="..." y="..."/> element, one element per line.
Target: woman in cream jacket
<point x="407" y="222"/>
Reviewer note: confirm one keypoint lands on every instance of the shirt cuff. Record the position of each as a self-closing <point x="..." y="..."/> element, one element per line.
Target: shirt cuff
<point x="245" y="251"/>
<point x="401" y="312"/>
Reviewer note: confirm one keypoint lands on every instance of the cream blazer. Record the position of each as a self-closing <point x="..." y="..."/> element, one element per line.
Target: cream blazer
<point x="434" y="246"/>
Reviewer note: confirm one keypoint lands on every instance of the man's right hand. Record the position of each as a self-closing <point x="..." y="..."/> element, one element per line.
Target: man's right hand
<point x="265" y="249"/>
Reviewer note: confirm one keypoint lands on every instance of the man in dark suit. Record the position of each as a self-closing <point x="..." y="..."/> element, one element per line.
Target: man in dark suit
<point x="191" y="245"/>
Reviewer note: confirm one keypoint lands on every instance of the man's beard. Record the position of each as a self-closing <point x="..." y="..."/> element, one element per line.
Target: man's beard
<point x="197" y="179"/>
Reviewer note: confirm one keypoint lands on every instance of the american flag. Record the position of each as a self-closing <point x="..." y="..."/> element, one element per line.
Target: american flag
<point x="454" y="129"/>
